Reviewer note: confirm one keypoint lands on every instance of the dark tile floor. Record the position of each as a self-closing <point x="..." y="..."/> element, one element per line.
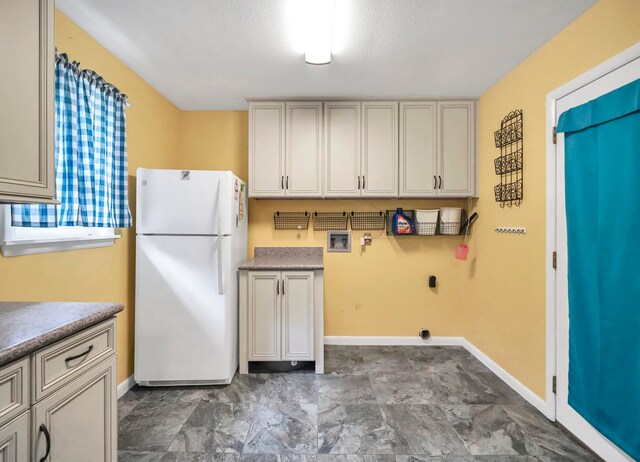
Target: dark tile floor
<point x="374" y="404"/>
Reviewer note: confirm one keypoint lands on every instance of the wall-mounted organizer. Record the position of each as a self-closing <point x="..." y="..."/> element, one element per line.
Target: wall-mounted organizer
<point x="443" y="226"/>
<point x="325" y="221"/>
<point x="291" y="220"/>
<point x="367" y="221"/>
<point x="509" y="166"/>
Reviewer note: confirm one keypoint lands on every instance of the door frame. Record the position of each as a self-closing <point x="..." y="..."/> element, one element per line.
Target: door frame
<point x="608" y="66"/>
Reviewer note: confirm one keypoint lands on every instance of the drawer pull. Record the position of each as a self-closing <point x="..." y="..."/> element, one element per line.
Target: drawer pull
<point x="43" y="429"/>
<point x="84" y="353"/>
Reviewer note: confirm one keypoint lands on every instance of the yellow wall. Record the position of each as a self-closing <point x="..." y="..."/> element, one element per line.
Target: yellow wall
<point x="214" y="140"/>
<point x="506" y="315"/>
<point x="105" y="274"/>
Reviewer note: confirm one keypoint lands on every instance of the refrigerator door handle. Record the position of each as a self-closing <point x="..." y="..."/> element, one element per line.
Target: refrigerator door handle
<point x="220" y="279"/>
<point x="220" y="275"/>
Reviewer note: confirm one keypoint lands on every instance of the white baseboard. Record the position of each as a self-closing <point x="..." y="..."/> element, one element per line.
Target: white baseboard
<point x="355" y="340"/>
<point x="509" y="379"/>
<point x="126" y="385"/>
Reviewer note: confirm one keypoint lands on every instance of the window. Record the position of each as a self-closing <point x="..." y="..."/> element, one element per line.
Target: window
<point x="91" y="171"/>
<point x="20" y="240"/>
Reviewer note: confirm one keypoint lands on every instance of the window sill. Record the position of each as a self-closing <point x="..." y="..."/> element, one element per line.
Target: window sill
<point x="33" y="246"/>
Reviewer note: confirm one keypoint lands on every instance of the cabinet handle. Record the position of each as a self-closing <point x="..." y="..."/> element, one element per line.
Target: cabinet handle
<point x="85" y="353"/>
<point x="43" y="429"/>
<point x="282" y="182"/>
<point x="440" y="185"/>
<point x="287" y="182"/>
<point x="435" y="182"/>
<point x="278" y="287"/>
<point x="358" y="181"/>
<point x="283" y="287"/>
<point x="362" y="181"/>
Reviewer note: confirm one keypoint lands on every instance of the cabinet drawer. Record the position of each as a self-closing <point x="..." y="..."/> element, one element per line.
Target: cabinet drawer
<point x="14" y="390"/>
<point x="63" y="361"/>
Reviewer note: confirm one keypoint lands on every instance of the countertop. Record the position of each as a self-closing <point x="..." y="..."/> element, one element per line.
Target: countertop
<point x="285" y="258"/>
<point x="29" y="326"/>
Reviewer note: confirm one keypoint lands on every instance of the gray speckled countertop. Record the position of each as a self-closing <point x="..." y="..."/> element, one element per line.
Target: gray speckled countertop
<point x="28" y="326"/>
<point x="285" y="258"/>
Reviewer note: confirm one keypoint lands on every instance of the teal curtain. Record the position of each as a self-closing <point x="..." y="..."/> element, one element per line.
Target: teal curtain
<point x="602" y="181"/>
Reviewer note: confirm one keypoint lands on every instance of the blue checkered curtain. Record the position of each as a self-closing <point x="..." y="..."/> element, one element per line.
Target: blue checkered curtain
<point x="90" y="155"/>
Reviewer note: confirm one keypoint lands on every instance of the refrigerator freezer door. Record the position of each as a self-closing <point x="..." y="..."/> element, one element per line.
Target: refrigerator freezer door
<point x="184" y="327"/>
<point x="184" y="202"/>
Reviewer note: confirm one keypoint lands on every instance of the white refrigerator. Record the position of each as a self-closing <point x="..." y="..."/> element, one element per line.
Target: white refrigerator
<point x="191" y="236"/>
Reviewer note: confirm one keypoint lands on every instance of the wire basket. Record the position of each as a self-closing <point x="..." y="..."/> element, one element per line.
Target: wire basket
<point x="291" y="220"/>
<point x="508" y="163"/>
<point x="453" y="228"/>
<point x="509" y="192"/>
<point x="365" y="221"/>
<point x="325" y="221"/>
<point x="511" y="130"/>
<point x="426" y="229"/>
<point x="408" y="213"/>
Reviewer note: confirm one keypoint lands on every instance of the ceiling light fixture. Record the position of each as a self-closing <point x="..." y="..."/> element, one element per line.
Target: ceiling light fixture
<point x="319" y="31"/>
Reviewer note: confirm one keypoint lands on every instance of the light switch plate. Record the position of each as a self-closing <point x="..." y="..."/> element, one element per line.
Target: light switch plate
<point x="338" y="241"/>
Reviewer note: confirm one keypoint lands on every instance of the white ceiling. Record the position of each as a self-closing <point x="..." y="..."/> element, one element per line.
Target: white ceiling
<point x="212" y="54"/>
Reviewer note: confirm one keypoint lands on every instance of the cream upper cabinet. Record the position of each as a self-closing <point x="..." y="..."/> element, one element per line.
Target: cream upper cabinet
<point x="267" y="149"/>
<point x="342" y="149"/>
<point x="303" y="177"/>
<point x="365" y="149"/>
<point x="457" y="171"/>
<point x="379" y="164"/>
<point x="418" y="160"/>
<point x="285" y="149"/>
<point x="27" y="95"/>
<point x="437" y="149"/>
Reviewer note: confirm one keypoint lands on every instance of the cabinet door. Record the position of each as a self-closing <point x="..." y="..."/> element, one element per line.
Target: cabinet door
<point x="27" y="96"/>
<point x="304" y="150"/>
<point x="342" y="149"/>
<point x="80" y="418"/>
<point x="266" y="149"/>
<point x="379" y="149"/>
<point x="264" y="316"/>
<point x="297" y="316"/>
<point x="418" y="160"/>
<point x="14" y="440"/>
<point x="456" y="149"/>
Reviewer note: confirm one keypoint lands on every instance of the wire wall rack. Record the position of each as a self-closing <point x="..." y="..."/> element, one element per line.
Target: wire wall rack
<point x="438" y="228"/>
<point x="291" y="220"/>
<point x="334" y="221"/>
<point x="366" y="221"/>
<point x="509" y="166"/>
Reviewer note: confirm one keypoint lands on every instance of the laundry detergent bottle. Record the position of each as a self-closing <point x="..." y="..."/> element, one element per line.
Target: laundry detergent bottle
<point x="402" y="224"/>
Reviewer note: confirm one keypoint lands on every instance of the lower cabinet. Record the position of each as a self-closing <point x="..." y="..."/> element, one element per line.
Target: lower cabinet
<point x="79" y="419"/>
<point x="280" y="317"/>
<point x="14" y="439"/>
<point x="59" y="404"/>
